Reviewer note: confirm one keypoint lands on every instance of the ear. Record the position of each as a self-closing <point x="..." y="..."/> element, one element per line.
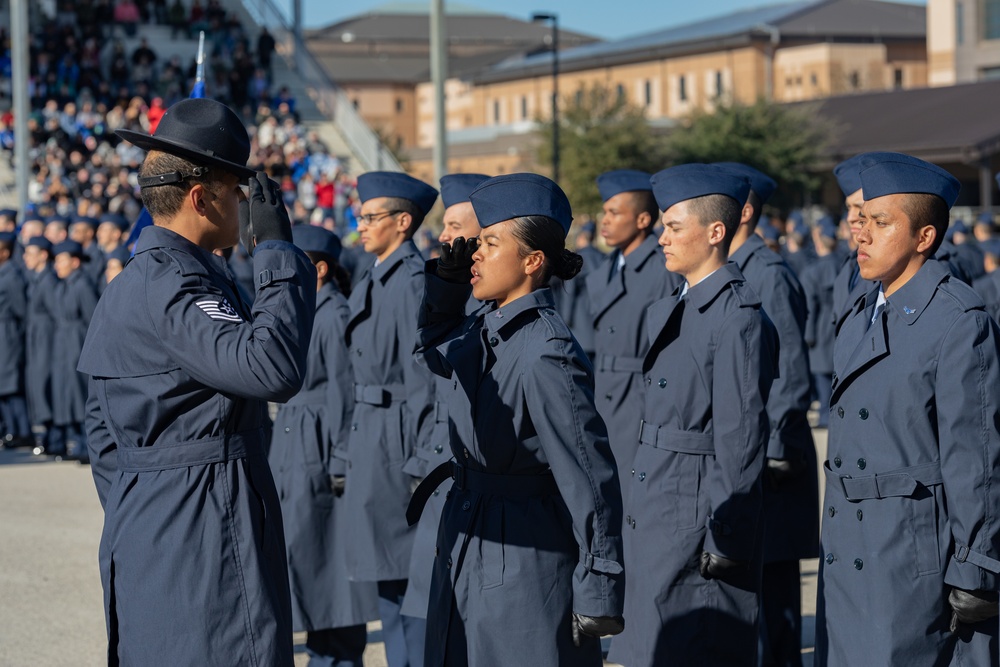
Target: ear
<point x="533" y="262"/>
<point x="746" y="215"/>
<point x="926" y="236"/>
<point x="403" y="222"/>
<point x="716" y="232"/>
<point x="322" y="268"/>
<point x="643" y="220"/>
<point x="196" y="195"/>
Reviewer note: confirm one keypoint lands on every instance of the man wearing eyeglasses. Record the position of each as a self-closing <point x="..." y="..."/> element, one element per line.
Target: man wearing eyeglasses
<point x="393" y="400"/>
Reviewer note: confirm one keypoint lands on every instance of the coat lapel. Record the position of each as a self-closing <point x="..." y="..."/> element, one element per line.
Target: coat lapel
<point x="872" y="343"/>
<point x="606" y="285"/>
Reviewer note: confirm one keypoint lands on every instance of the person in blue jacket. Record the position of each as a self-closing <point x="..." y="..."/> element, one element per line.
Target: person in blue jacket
<point x="817" y="282"/>
<point x="75" y="301"/>
<point x="849" y="286"/>
<point x="16" y="427"/>
<point x="459" y="220"/>
<point x="693" y="522"/>
<point x="620" y="290"/>
<point x="393" y="401"/>
<point x="309" y="431"/>
<point x="571" y="296"/>
<point x="193" y="555"/>
<point x="910" y="533"/>
<point x="40" y="330"/>
<point x="528" y="568"/>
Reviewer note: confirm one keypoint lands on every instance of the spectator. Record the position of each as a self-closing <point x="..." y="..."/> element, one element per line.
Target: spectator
<point x="143" y="51"/>
<point x="265" y="49"/>
<point x="178" y="20"/>
<point x="127" y="15"/>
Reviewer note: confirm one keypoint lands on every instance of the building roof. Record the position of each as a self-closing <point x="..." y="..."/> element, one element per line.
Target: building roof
<point x="948" y="124"/>
<point x="827" y="20"/>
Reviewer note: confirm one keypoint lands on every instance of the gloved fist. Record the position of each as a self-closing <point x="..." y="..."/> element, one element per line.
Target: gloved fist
<point x="455" y="263"/>
<point x="263" y="217"/>
<point x="595" y="626"/>
<point x="337" y="485"/>
<point x="779" y="471"/>
<point x="714" y="566"/>
<point x="970" y="607"/>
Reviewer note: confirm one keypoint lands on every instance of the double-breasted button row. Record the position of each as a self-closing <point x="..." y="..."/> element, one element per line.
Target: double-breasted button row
<point x="858" y="563"/>
<point x="438" y="449"/>
<point x="862" y="413"/>
<point x="629" y="521"/>
<point x="832" y="511"/>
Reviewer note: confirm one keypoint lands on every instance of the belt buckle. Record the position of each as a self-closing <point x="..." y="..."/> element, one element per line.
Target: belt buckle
<point x="458" y="474"/>
<point x="642" y="425"/>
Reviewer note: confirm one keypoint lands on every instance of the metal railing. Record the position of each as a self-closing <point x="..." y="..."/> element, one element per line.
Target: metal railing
<point x="331" y="100"/>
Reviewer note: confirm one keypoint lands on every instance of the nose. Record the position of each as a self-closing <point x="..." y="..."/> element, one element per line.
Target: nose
<point x="863" y="234"/>
<point x="478" y="255"/>
<point x="445" y="237"/>
<point x="663" y="237"/>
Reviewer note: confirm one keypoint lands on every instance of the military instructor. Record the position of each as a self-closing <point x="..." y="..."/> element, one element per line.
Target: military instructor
<point x="192" y="557"/>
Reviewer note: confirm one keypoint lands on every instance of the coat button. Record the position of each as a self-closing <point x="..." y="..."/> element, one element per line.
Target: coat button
<point x="633" y="472"/>
<point x="840" y="412"/>
<point x="830" y="558"/>
<point x="611" y="330"/>
<point x="863" y="413"/>
<point x="642" y="477"/>
<point x="832" y="510"/>
<point x="494" y="341"/>
<point x="662" y="383"/>
<point x="449" y="563"/>
<point x="633" y="524"/>
<point x="861" y="464"/>
<point x="858" y="563"/>
<point x="649" y="381"/>
<point x="438" y="449"/>
<point x="607" y="397"/>
<point x="466" y="506"/>
<point x="354" y="426"/>
<point x="860" y="515"/>
<point x="628" y="520"/>
<point x="359" y="352"/>
<point x="466" y="452"/>
<point x="836" y="461"/>
<point x="287" y="429"/>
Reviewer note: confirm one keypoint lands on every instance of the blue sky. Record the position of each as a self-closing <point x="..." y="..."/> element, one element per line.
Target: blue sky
<point x="608" y="19"/>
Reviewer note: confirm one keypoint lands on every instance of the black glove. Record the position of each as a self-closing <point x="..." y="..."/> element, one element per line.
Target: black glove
<point x="337" y="485"/>
<point x="455" y="262"/>
<point x="595" y="626"/>
<point x="779" y="471"/>
<point x="970" y="607"/>
<point x="263" y="217"/>
<point x="714" y="566"/>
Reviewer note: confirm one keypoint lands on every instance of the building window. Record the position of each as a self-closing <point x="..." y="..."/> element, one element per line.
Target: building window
<point x="991" y="19"/>
<point x="813" y="80"/>
<point x="524" y="107"/>
<point x="496" y="111"/>
<point x="989" y="73"/>
<point x="789" y="81"/>
<point x="620" y="92"/>
<point x="897" y="79"/>
<point x="355" y="104"/>
<point x="959" y="23"/>
<point x="855" y="79"/>
<point x="682" y="93"/>
<point x="718" y="84"/>
<point x="648" y="92"/>
<point x="399" y="105"/>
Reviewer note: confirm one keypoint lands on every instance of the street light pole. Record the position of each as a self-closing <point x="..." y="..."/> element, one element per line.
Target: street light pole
<point x="554" y="18"/>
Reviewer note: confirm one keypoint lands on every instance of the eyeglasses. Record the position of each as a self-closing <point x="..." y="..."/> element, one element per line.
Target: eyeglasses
<point x="372" y="218"/>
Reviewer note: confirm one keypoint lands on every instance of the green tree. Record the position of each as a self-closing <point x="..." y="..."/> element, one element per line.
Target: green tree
<point x="785" y="142"/>
<point x="598" y="131"/>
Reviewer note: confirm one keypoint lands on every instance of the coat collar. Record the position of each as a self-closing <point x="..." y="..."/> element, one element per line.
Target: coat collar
<point x="750" y="247"/>
<point x="704" y="293"/>
<point x="398" y="256"/>
<point x="325" y="293"/>
<point x="910" y="300"/>
<point x="638" y="257"/>
<point x="154" y="236"/>
<point x="498" y="318"/>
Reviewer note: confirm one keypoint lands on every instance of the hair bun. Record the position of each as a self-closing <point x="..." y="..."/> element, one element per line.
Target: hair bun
<point x="567" y="265"/>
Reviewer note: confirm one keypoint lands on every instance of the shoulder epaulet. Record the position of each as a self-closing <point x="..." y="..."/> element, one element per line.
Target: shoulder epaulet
<point x="745" y="295"/>
<point x="556" y="327"/>
<point x="186" y="263"/>
<point x="964" y="296"/>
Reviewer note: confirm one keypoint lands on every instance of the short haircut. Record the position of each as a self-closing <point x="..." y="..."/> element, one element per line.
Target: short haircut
<point x="406" y="206"/>
<point x="645" y="202"/>
<point x="7" y="245"/>
<point x="925" y="209"/>
<point x="164" y="201"/>
<point x="757" y="205"/>
<point x="712" y="208"/>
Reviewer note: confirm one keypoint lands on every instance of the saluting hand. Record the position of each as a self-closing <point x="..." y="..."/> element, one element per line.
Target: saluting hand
<point x="714" y="566"/>
<point x="263" y="216"/>
<point x="970" y="607"/>
<point x="455" y="263"/>
<point x="595" y="626"/>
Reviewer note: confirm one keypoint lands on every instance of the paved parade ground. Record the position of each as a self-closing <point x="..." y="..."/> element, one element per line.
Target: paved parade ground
<point x="51" y="611"/>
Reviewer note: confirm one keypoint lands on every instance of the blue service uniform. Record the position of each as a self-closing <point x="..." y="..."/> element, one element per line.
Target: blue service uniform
<point x="13" y="311"/>
<point x="307" y="432"/>
<point x="573" y="302"/>
<point x="988" y="288"/>
<point x="530" y="528"/>
<point x="94" y="268"/>
<point x="39" y="344"/>
<point x="848" y="287"/>
<point x="76" y="299"/>
<point x="818" y="280"/>
<point x="913" y="478"/>
<point x="697" y="479"/>
<point x="619" y="298"/>
<point x="181" y="372"/>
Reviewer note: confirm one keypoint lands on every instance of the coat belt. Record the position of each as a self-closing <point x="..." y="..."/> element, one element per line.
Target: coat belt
<point x="310" y="397"/>
<point x="188" y="454"/>
<point x="511" y="486"/>
<point x="898" y="483"/>
<point x="613" y="364"/>
<point x="674" y="440"/>
<point x="379" y="394"/>
<point x="440" y="412"/>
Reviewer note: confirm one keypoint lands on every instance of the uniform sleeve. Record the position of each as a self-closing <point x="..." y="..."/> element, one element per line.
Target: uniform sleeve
<point x="559" y="393"/>
<point x="968" y="411"/>
<point x="86" y="301"/>
<point x="442" y="312"/>
<point x="810" y="287"/>
<point x="264" y="358"/>
<point x="18" y="295"/>
<point x="417" y="378"/>
<point x="340" y="399"/>
<point x="740" y="382"/>
<point x="103" y="449"/>
<point x="788" y="403"/>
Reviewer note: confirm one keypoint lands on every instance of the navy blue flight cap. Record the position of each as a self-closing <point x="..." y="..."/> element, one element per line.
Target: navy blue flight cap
<point x="612" y="183"/>
<point x="310" y="238"/>
<point x="8" y="213"/>
<point x="8" y="237"/>
<point x="72" y="247"/>
<point x="375" y="184"/>
<point x="848" y="175"/>
<point x="39" y="242"/>
<point x="769" y="232"/>
<point x="118" y="221"/>
<point x="121" y="253"/>
<point x="514" y="195"/>
<point x="589" y="227"/>
<point x="884" y="173"/>
<point x="985" y="218"/>
<point x="85" y="220"/>
<point x="827" y="227"/>
<point x="59" y="219"/>
<point x="688" y="181"/>
<point x="760" y="182"/>
<point x="455" y="188"/>
<point x="991" y="247"/>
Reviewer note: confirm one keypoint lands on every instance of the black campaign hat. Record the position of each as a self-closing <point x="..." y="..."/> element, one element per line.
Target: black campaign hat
<point x="201" y="130"/>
